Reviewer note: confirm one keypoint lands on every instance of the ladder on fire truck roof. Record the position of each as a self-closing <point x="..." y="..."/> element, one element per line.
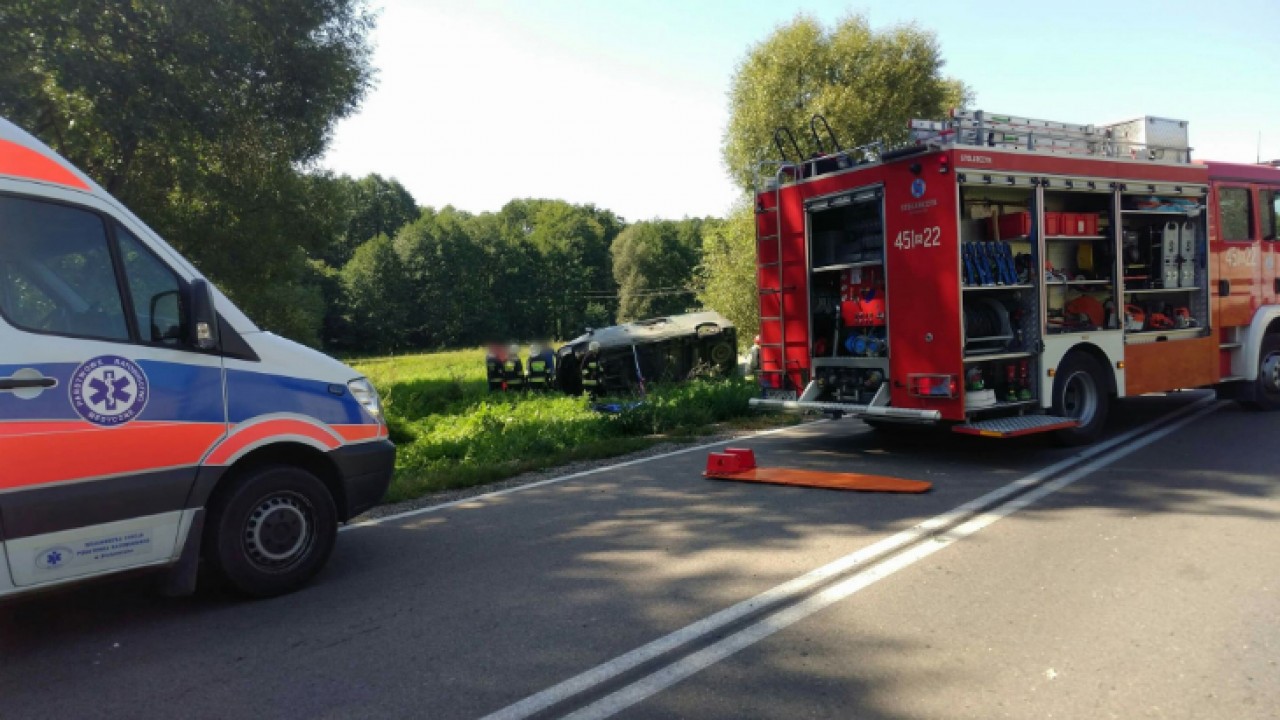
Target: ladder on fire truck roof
<point x="1011" y="132"/>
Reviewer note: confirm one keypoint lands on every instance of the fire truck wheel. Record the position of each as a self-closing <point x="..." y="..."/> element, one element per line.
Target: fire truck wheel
<point x="1268" y="395"/>
<point x="271" y="531"/>
<point x="1080" y="393"/>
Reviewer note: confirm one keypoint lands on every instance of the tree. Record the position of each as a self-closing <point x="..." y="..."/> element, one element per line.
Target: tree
<point x="198" y="116"/>
<point x="450" y="281"/>
<point x="653" y="264"/>
<point x="375" y="206"/>
<point x="571" y="266"/>
<point x="726" y="277"/>
<point x="377" y="295"/>
<point x="866" y="83"/>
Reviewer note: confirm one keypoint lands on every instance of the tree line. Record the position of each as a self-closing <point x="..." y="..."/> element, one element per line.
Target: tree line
<point x="535" y="270"/>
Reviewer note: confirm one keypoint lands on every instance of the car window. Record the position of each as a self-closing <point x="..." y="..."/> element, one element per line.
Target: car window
<point x="155" y="290"/>
<point x="1235" y="214"/>
<point x="56" y="271"/>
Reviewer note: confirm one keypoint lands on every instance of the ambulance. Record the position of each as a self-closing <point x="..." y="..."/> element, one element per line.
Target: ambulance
<point x="145" y="422"/>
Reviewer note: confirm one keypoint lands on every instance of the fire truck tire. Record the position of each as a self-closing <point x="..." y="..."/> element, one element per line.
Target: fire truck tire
<point x="1267" y="397"/>
<point x="1080" y="393"/>
<point x="271" y="531"/>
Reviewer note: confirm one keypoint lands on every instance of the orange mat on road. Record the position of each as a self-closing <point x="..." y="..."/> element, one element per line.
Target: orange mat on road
<point x="825" y="480"/>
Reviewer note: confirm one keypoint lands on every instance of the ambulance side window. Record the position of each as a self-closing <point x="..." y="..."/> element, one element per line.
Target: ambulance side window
<point x="1235" y="214"/>
<point x="56" y="273"/>
<point x="155" y="290"/>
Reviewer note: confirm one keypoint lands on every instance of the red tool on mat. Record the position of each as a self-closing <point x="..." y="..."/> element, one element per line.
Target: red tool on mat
<point x="740" y="464"/>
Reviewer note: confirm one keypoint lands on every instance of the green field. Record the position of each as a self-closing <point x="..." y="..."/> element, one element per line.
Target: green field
<point x="451" y="432"/>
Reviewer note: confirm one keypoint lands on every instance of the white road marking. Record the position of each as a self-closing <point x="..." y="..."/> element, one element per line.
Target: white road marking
<point x="798" y="586"/>
<point x="574" y="476"/>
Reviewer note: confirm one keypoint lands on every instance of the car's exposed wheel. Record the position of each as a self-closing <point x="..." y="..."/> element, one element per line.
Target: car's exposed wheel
<point x="1080" y="393"/>
<point x="1267" y="395"/>
<point x="272" y="530"/>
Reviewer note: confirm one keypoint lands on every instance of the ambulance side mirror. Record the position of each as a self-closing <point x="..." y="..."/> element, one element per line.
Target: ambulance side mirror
<point x="203" y="327"/>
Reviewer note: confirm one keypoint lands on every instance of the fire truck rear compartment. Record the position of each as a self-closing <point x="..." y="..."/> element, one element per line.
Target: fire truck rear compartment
<point x="849" y="328"/>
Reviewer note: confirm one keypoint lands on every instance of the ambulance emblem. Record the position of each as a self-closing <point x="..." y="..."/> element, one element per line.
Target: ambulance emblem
<point x="109" y="390"/>
<point x="54" y="558"/>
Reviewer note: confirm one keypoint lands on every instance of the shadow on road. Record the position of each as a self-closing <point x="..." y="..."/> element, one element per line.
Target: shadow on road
<point x="465" y="611"/>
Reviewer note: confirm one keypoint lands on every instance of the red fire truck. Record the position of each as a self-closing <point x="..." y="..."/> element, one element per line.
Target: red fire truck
<point x="1007" y="275"/>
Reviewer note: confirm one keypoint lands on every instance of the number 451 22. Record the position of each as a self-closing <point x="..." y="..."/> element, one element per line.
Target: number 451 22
<point x="929" y="237"/>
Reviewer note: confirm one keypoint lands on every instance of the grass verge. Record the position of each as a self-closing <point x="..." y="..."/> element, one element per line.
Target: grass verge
<point x="452" y="433"/>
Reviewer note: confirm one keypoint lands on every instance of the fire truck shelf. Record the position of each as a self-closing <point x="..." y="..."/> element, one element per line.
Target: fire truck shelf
<point x="997" y="356"/>
<point x="1069" y="283"/>
<point x="846" y="266"/>
<point x="1021" y="286"/>
<point x="1014" y="426"/>
<point x="1076" y="237"/>
<point x="1167" y="213"/>
<point x="1159" y="290"/>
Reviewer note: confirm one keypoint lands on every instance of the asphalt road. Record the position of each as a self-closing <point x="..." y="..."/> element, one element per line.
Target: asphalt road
<point x="1134" y="580"/>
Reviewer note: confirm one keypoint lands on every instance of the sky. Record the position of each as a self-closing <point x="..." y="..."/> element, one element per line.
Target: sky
<point x="623" y="103"/>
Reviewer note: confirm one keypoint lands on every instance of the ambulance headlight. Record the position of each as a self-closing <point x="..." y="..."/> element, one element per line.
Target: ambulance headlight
<point x="364" y="393"/>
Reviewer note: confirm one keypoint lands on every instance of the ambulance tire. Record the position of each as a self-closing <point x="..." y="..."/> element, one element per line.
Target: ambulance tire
<point x="1080" y="392"/>
<point x="271" y="531"/>
<point x="1267" y="396"/>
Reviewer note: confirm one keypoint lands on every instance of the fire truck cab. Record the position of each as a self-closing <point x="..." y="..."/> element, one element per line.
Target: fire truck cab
<point x="144" y="420"/>
<point x="1008" y="275"/>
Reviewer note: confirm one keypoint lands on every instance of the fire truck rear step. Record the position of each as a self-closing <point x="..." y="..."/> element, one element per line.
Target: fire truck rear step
<point x="1016" y="426"/>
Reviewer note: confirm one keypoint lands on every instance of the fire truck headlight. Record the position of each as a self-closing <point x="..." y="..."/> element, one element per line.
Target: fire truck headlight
<point x="365" y="394"/>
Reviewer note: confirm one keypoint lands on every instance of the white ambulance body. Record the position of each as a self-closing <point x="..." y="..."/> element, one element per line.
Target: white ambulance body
<point x="145" y="422"/>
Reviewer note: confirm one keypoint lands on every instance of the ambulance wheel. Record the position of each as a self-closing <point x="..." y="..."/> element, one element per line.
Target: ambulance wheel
<point x="271" y="531"/>
<point x="1080" y="393"/>
<point x="1267" y="396"/>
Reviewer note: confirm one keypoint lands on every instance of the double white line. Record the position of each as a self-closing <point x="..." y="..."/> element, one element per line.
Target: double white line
<point x="797" y="598"/>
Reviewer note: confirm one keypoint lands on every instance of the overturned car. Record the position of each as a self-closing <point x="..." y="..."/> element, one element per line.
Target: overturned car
<point x="622" y="358"/>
